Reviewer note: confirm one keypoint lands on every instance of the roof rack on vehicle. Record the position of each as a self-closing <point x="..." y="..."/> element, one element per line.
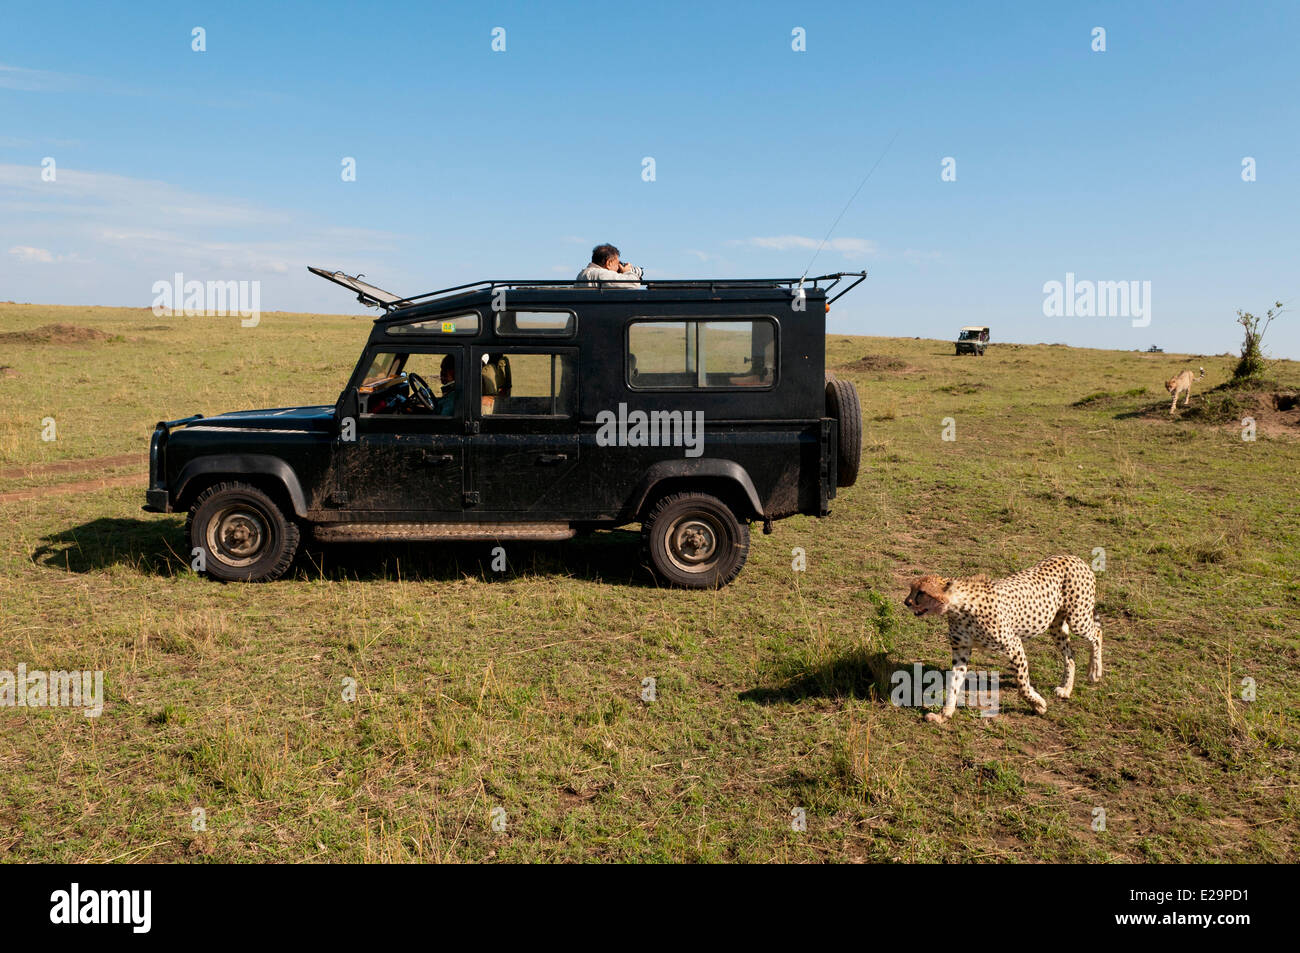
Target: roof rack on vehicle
<point x="371" y="296"/>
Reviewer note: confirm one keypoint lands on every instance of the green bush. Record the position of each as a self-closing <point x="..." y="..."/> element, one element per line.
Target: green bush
<point x="1251" y="364"/>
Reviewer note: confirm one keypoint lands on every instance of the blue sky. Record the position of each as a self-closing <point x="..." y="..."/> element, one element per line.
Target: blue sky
<point x="1123" y="165"/>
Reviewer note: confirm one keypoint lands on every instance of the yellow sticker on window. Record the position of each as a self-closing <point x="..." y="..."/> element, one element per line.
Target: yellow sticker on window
<point x="449" y="327"/>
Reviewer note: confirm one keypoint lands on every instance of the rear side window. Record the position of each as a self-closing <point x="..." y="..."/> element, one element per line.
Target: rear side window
<point x="532" y="385"/>
<point x="536" y="323"/>
<point x="701" y="354"/>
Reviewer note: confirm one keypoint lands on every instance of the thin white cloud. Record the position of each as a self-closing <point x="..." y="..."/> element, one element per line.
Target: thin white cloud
<point x="17" y="142"/>
<point x="138" y="231"/>
<point x="29" y="255"/>
<point x="848" y="247"/>
<point x="46" y="81"/>
<point x="105" y="195"/>
<point x="36" y="80"/>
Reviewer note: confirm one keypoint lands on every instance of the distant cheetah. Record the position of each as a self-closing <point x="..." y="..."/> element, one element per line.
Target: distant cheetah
<point x="1057" y="595"/>
<point x="1182" y="384"/>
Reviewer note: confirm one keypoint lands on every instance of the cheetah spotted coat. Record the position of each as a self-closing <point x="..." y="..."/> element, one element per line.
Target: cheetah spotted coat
<point x="1058" y="595"/>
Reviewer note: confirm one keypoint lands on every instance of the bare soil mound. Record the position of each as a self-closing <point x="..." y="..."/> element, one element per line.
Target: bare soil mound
<point x="1275" y="410"/>
<point x="874" y="363"/>
<point x="56" y="334"/>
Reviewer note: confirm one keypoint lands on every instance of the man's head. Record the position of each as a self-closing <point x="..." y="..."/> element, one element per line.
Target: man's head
<point x="447" y="370"/>
<point x="929" y="596"/>
<point x="606" y="256"/>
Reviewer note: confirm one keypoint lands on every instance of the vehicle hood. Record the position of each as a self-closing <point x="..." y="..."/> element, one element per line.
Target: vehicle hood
<point x="318" y="418"/>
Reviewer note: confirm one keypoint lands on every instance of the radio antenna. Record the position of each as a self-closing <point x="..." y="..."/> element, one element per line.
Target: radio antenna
<point x="850" y="202"/>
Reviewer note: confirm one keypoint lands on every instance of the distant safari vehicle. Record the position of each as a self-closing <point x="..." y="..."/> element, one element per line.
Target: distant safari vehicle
<point x="1155" y="350"/>
<point x="973" y="340"/>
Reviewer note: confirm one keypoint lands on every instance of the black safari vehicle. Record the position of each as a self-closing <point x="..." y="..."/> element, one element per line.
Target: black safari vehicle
<point x="511" y="410"/>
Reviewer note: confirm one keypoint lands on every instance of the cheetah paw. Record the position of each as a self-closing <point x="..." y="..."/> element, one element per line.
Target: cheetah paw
<point x="935" y="718"/>
<point x="1060" y="693"/>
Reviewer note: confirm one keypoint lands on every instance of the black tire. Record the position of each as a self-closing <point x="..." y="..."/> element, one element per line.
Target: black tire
<point x="244" y="535"/>
<point x="843" y="405"/>
<point x="695" y="541"/>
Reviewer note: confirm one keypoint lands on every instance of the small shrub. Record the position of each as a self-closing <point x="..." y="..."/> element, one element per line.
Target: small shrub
<point x="1251" y="364"/>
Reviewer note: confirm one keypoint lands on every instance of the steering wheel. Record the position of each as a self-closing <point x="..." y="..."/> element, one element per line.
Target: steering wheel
<point x="420" y="391"/>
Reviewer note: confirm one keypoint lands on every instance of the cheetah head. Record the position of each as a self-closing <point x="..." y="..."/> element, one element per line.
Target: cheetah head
<point x="1171" y="385"/>
<point x="929" y="596"/>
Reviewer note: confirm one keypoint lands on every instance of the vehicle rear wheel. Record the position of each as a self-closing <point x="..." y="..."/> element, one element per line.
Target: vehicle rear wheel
<point x="842" y="404"/>
<point x="243" y="535"/>
<point x="695" y="541"/>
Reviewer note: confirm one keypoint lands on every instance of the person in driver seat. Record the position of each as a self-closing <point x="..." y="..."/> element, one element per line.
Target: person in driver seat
<point x="446" y="404"/>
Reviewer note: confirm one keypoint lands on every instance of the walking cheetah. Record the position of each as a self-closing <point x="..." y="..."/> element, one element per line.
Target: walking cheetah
<point x="1182" y="384"/>
<point x="1057" y="595"/>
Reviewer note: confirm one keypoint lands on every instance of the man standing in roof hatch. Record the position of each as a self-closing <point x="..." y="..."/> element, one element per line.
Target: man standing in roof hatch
<point x="606" y="268"/>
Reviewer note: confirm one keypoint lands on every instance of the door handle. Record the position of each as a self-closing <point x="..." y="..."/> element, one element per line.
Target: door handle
<point x="549" y="458"/>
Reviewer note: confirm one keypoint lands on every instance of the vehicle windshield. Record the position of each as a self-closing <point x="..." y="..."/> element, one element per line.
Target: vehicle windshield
<point x="384" y="366"/>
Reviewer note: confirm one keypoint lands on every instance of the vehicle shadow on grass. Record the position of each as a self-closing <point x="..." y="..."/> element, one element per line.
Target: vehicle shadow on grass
<point x="853" y="674"/>
<point x="149" y="546"/>
<point x="159" y="547"/>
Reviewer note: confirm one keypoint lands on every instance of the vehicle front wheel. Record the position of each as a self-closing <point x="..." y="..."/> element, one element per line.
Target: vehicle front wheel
<point x="242" y="534"/>
<point x="695" y="541"/>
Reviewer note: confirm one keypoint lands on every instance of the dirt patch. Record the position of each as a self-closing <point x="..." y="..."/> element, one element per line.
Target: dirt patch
<point x="1275" y="414"/>
<point x="7" y="371"/>
<point x="99" y="465"/>
<point x="84" y="486"/>
<point x="31" y="471"/>
<point x="875" y="363"/>
<point x="56" y="334"/>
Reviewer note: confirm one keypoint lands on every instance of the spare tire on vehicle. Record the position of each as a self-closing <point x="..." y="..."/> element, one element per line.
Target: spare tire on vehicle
<point x="842" y="404"/>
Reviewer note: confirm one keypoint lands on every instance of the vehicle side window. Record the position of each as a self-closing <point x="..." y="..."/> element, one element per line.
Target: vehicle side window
<point x="539" y="323"/>
<point x="539" y="385"/>
<point x="446" y="324"/>
<point x="701" y="354"/>
<point x="417" y="382"/>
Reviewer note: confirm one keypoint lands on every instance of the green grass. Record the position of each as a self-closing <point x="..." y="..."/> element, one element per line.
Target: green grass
<point x="523" y="690"/>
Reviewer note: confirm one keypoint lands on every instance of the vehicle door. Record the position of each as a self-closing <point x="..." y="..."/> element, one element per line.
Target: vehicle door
<point x="522" y="453"/>
<point x="406" y="460"/>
